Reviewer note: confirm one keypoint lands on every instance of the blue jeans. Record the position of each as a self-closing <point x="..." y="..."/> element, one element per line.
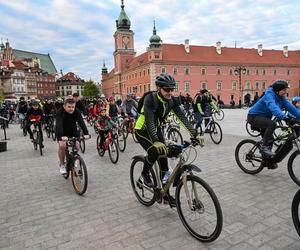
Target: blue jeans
<point x="199" y="119"/>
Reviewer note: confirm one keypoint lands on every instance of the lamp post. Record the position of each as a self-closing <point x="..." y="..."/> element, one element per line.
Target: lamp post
<point x="239" y="71"/>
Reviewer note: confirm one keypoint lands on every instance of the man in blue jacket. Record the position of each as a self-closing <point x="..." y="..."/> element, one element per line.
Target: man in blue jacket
<point x="271" y="104"/>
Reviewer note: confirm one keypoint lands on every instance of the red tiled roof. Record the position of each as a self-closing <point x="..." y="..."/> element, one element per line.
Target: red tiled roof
<point x="70" y="76"/>
<point x="19" y="65"/>
<point x="208" y="54"/>
<point x="138" y="61"/>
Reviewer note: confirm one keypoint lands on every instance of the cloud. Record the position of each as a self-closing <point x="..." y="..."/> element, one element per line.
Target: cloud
<point x="79" y="33"/>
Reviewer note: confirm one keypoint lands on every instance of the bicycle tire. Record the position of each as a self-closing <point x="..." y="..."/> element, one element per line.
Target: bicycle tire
<point x="198" y="208"/>
<point x="75" y="173"/>
<point x="134" y="137"/>
<point x="121" y="141"/>
<point x="82" y="144"/>
<point x="34" y="134"/>
<point x="219" y="116"/>
<point x="174" y="135"/>
<point x="137" y="185"/>
<point x="214" y="127"/>
<point x="291" y="166"/>
<point x="295" y="211"/>
<point x="100" y="151"/>
<point x="40" y="142"/>
<point x="248" y="156"/>
<point x="125" y="130"/>
<point x="48" y="131"/>
<point x="24" y="131"/>
<point x="53" y="133"/>
<point x="252" y="132"/>
<point x="116" y="150"/>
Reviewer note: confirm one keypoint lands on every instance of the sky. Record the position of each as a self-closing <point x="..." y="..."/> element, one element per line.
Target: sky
<point x="78" y="34"/>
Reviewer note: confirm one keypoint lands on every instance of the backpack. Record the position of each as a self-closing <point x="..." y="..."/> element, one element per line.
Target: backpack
<point x="141" y="101"/>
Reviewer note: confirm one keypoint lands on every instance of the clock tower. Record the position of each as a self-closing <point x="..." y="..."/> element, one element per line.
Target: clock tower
<point x="124" y="44"/>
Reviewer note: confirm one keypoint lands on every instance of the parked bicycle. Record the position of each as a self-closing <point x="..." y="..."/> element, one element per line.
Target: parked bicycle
<point x="249" y="159"/>
<point x="110" y="145"/>
<point x="197" y="205"/>
<point x="76" y="165"/>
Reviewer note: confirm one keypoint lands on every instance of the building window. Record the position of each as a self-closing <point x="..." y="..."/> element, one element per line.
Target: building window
<point x="263" y="85"/>
<point x="204" y="85"/>
<point x="176" y="86"/>
<point x="218" y="71"/>
<point x="163" y="70"/>
<point x="274" y="72"/>
<point x="288" y="72"/>
<point x="144" y="72"/>
<point x="187" y="87"/>
<point x="248" y="72"/>
<point x="203" y="71"/>
<point x="256" y="85"/>
<point x="145" y="88"/>
<point x="175" y="70"/>
<point x="148" y="71"/>
<point x="248" y="85"/>
<point x="256" y="71"/>
<point x="219" y="85"/>
<point x="233" y="85"/>
<point x="186" y="70"/>
<point x="264" y="72"/>
<point x="299" y="84"/>
<point x="230" y="72"/>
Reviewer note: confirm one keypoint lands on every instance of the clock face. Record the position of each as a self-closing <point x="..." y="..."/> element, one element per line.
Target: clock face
<point x="125" y="40"/>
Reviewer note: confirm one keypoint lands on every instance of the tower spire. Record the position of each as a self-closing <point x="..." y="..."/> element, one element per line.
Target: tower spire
<point x="122" y="4"/>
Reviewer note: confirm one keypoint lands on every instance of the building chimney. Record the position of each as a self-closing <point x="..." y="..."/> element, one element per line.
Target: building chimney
<point x="187" y="45"/>
<point x="259" y="50"/>
<point x="218" y="48"/>
<point x="285" y="51"/>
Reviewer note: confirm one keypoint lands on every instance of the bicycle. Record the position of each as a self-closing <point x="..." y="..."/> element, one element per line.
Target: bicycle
<point x="110" y="145"/>
<point x="248" y="151"/>
<point x="295" y="211"/>
<point x="190" y="201"/>
<point x="128" y="127"/>
<point x="218" y="115"/>
<point x="37" y="137"/>
<point x="171" y="132"/>
<point x="23" y="123"/>
<point x="213" y="129"/>
<point x="49" y="126"/>
<point x="76" y="165"/>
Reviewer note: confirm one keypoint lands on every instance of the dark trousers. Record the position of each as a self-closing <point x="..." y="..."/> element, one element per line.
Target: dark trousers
<point x="266" y="125"/>
<point x="152" y="154"/>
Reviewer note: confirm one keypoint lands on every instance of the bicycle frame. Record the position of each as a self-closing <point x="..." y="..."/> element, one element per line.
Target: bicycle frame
<point x="211" y="120"/>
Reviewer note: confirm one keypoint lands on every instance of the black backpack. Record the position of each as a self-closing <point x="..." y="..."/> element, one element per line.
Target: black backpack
<point x="141" y="101"/>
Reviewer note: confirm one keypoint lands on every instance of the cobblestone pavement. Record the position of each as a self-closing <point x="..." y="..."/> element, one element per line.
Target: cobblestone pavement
<point x="39" y="209"/>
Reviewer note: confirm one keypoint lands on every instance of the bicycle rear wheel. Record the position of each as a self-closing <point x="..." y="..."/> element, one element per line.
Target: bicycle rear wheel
<point x="199" y="209"/>
<point x="248" y="157"/>
<point x="215" y="133"/>
<point x="39" y="142"/>
<point x="252" y="132"/>
<point x="121" y="141"/>
<point x="35" y="145"/>
<point x="113" y="152"/>
<point x="79" y="175"/>
<point x="144" y="194"/>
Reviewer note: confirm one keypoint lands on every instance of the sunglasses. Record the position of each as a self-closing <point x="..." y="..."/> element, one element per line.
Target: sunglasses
<point x="168" y="90"/>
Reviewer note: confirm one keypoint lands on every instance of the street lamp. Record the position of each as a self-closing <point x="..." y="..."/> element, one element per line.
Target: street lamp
<point x="239" y="71"/>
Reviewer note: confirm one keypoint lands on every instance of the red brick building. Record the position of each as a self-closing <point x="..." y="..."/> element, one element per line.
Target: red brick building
<point x="230" y="73"/>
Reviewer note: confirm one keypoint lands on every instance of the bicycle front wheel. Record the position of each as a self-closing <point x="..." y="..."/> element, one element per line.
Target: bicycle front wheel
<point x="79" y="176"/>
<point x="82" y="145"/>
<point x="219" y="116"/>
<point x="216" y="133"/>
<point x="39" y="138"/>
<point x="144" y="194"/>
<point x="113" y="152"/>
<point x="199" y="209"/>
<point x="250" y="131"/>
<point x="248" y="157"/>
<point x="121" y="140"/>
<point x="295" y="211"/>
<point x="294" y="167"/>
<point x="175" y="136"/>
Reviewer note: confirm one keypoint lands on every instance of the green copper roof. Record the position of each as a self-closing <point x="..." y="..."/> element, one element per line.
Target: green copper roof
<point x="123" y="22"/>
<point x="154" y="39"/>
<point x="46" y="61"/>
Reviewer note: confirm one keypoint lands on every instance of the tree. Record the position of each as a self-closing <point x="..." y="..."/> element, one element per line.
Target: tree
<point x="90" y="89"/>
<point x="1" y="95"/>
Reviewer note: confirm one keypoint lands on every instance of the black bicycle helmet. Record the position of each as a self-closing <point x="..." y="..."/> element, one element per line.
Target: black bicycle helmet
<point x="165" y="81"/>
<point x="280" y="85"/>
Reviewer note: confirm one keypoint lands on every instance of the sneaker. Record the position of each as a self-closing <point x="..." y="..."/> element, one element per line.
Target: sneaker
<point x="273" y="166"/>
<point x="62" y="169"/>
<point x="147" y="180"/>
<point x="42" y="145"/>
<point x="266" y="151"/>
<point x="169" y="199"/>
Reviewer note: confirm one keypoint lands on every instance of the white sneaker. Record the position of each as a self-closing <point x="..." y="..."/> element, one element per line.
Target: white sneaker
<point x="62" y="170"/>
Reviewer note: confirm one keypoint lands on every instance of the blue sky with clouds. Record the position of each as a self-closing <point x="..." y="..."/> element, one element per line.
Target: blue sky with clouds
<point x="78" y="34"/>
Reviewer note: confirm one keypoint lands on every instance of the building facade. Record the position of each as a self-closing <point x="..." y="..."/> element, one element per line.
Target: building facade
<point x="69" y="84"/>
<point x="229" y="73"/>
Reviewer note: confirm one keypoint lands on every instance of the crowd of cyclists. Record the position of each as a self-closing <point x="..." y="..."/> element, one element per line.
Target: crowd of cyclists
<point x="148" y="113"/>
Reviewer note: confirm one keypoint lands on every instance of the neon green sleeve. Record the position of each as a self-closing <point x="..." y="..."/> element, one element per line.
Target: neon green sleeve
<point x="214" y="106"/>
<point x="199" y="107"/>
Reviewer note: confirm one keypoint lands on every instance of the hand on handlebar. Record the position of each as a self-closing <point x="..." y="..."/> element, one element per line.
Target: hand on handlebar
<point x="64" y="138"/>
<point x="291" y="121"/>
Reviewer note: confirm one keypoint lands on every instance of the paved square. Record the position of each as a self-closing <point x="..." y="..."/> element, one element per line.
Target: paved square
<point x="39" y="209"/>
